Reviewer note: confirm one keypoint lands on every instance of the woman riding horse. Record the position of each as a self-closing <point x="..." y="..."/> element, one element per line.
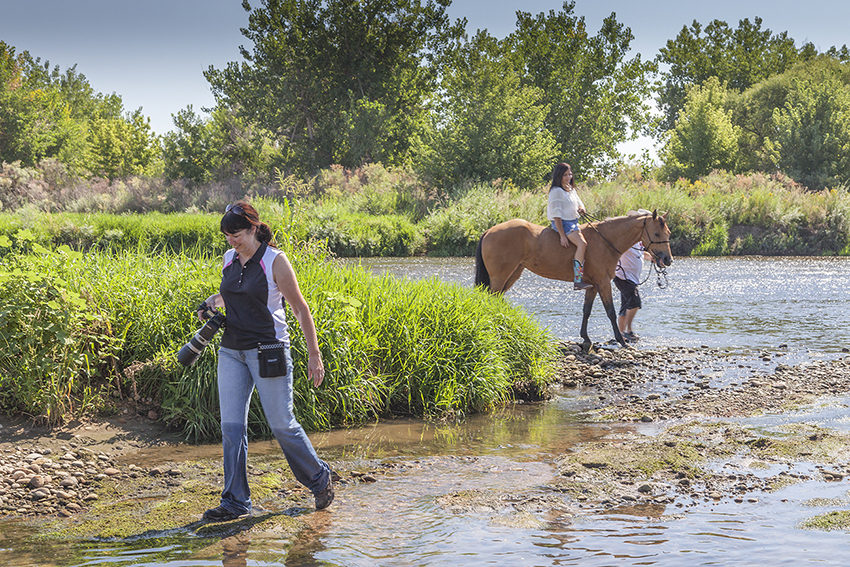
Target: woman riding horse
<point x="507" y="249"/>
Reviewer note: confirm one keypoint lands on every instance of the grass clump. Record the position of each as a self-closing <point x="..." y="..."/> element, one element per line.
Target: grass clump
<point x="113" y="321"/>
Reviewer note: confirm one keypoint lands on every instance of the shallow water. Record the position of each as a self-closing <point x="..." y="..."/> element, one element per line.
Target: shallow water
<point x="738" y="303"/>
<point x="742" y="305"/>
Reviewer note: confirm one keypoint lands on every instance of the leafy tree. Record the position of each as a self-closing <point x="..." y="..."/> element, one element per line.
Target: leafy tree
<point x="487" y="125"/>
<point x="35" y="120"/>
<point x="48" y="114"/>
<point x="811" y="138"/>
<point x="223" y="146"/>
<point x="753" y="111"/>
<point x="122" y="147"/>
<point x="740" y="58"/>
<point x="704" y="138"/>
<point x="596" y="97"/>
<point x="339" y="80"/>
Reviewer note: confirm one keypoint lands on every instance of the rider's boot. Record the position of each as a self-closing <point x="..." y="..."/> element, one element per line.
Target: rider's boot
<point x="578" y="271"/>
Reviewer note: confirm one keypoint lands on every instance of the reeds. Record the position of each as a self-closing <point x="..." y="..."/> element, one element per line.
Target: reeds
<point x="390" y="346"/>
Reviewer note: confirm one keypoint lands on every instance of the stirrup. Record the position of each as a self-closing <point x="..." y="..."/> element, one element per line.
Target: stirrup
<point x="581" y="285"/>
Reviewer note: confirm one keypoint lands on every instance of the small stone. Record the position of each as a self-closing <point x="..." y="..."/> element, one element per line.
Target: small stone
<point x="175" y="472"/>
<point x="369" y="478"/>
<point x="715" y="495"/>
<point x="69" y="481"/>
<point x="37" y="481"/>
<point x="73" y="506"/>
<point x="645" y="488"/>
<point x="90" y="497"/>
<point x="111" y="471"/>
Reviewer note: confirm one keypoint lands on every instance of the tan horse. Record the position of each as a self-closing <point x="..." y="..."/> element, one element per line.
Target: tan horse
<point x="507" y="249"/>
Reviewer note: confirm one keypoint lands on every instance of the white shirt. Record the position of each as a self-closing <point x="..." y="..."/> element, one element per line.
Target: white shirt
<point x="630" y="265"/>
<point x="563" y="204"/>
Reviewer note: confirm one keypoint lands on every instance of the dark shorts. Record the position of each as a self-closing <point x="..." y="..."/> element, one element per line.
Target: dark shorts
<point x="629" y="296"/>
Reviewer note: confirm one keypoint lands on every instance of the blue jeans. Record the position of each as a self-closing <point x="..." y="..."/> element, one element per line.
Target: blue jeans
<point x="238" y="375"/>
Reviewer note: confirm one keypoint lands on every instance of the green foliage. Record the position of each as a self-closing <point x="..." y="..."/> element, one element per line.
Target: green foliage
<point x="48" y="114"/>
<point x="715" y="241"/>
<point x="811" y="139"/>
<point x="487" y="125"/>
<point x="361" y="234"/>
<point x="339" y="81"/>
<point x="108" y="320"/>
<point x="738" y="57"/>
<point x="595" y="97"/>
<point x="166" y="233"/>
<point x="454" y="230"/>
<point x="57" y="354"/>
<point x="762" y="214"/>
<point x="122" y="147"/>
<point x="224" y="146"/>
<point x="704" y="138"/>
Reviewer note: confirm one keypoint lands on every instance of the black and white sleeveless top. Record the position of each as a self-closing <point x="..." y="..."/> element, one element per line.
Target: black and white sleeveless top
<point x="254" y="303"/>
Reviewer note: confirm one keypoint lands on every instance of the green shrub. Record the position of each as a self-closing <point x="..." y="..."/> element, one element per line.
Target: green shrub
<point x="715" y="241"/>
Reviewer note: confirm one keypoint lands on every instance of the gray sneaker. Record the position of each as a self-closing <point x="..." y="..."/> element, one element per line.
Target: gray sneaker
<point x="326" y="496"/>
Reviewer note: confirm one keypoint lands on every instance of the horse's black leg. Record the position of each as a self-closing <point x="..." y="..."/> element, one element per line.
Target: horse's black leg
<point x="589" y="296"/>
<point x="608" y="303"/>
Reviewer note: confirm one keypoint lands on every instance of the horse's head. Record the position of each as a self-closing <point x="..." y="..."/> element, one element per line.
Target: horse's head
<point x="656" y="238"/>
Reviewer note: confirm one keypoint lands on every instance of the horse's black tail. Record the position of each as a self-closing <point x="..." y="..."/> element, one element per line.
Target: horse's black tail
<point x="482" y="276"/>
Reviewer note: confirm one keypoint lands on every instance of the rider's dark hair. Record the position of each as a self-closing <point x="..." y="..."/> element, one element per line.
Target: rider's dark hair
<point x="558" y="175"/>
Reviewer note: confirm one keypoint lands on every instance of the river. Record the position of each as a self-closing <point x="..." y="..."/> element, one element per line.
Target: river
<point x="739" y="303"/>
<point x="742" y="305"/>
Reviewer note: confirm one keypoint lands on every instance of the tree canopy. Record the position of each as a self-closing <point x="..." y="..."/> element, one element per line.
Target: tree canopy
<point x="48" y="114"/>
<point x="341" y="81"/>
<point x="738" y="57"/>
<point x="596" y="98"/>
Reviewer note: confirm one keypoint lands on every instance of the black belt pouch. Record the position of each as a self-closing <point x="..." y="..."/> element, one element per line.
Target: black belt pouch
<point x="272" y="358"/>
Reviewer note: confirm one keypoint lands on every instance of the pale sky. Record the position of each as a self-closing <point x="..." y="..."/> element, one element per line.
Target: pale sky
<point x="153" y="52"/>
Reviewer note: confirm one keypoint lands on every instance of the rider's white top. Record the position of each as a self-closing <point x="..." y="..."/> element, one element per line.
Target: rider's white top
<point x="563" y="204"/>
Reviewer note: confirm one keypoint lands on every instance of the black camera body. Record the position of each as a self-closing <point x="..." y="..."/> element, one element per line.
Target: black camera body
<point x="193" y="349"/>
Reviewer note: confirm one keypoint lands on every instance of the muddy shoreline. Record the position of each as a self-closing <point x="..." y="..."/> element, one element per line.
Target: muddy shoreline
<point x="89" y="480"/>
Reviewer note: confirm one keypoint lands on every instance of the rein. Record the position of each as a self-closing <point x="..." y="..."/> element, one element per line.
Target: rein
<point x="661" y="272"/>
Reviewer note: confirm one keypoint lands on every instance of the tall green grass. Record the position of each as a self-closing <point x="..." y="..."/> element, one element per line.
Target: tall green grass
<point x="390" y="346"/>
<point x="723" y="213"/>
<point x="370" y="212"/>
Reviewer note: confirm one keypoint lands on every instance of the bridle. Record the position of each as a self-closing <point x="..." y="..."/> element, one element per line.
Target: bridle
<point x="661" y="271"/>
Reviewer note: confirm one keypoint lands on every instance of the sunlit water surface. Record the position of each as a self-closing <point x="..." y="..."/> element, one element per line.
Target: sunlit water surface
<point x="741" y="305"/>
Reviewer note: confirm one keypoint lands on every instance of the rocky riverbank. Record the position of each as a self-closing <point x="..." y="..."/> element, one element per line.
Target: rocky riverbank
<point x="676" y="438"/>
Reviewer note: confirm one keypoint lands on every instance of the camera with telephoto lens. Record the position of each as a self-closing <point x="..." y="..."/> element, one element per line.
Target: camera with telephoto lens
<point x="193" y="349"/>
